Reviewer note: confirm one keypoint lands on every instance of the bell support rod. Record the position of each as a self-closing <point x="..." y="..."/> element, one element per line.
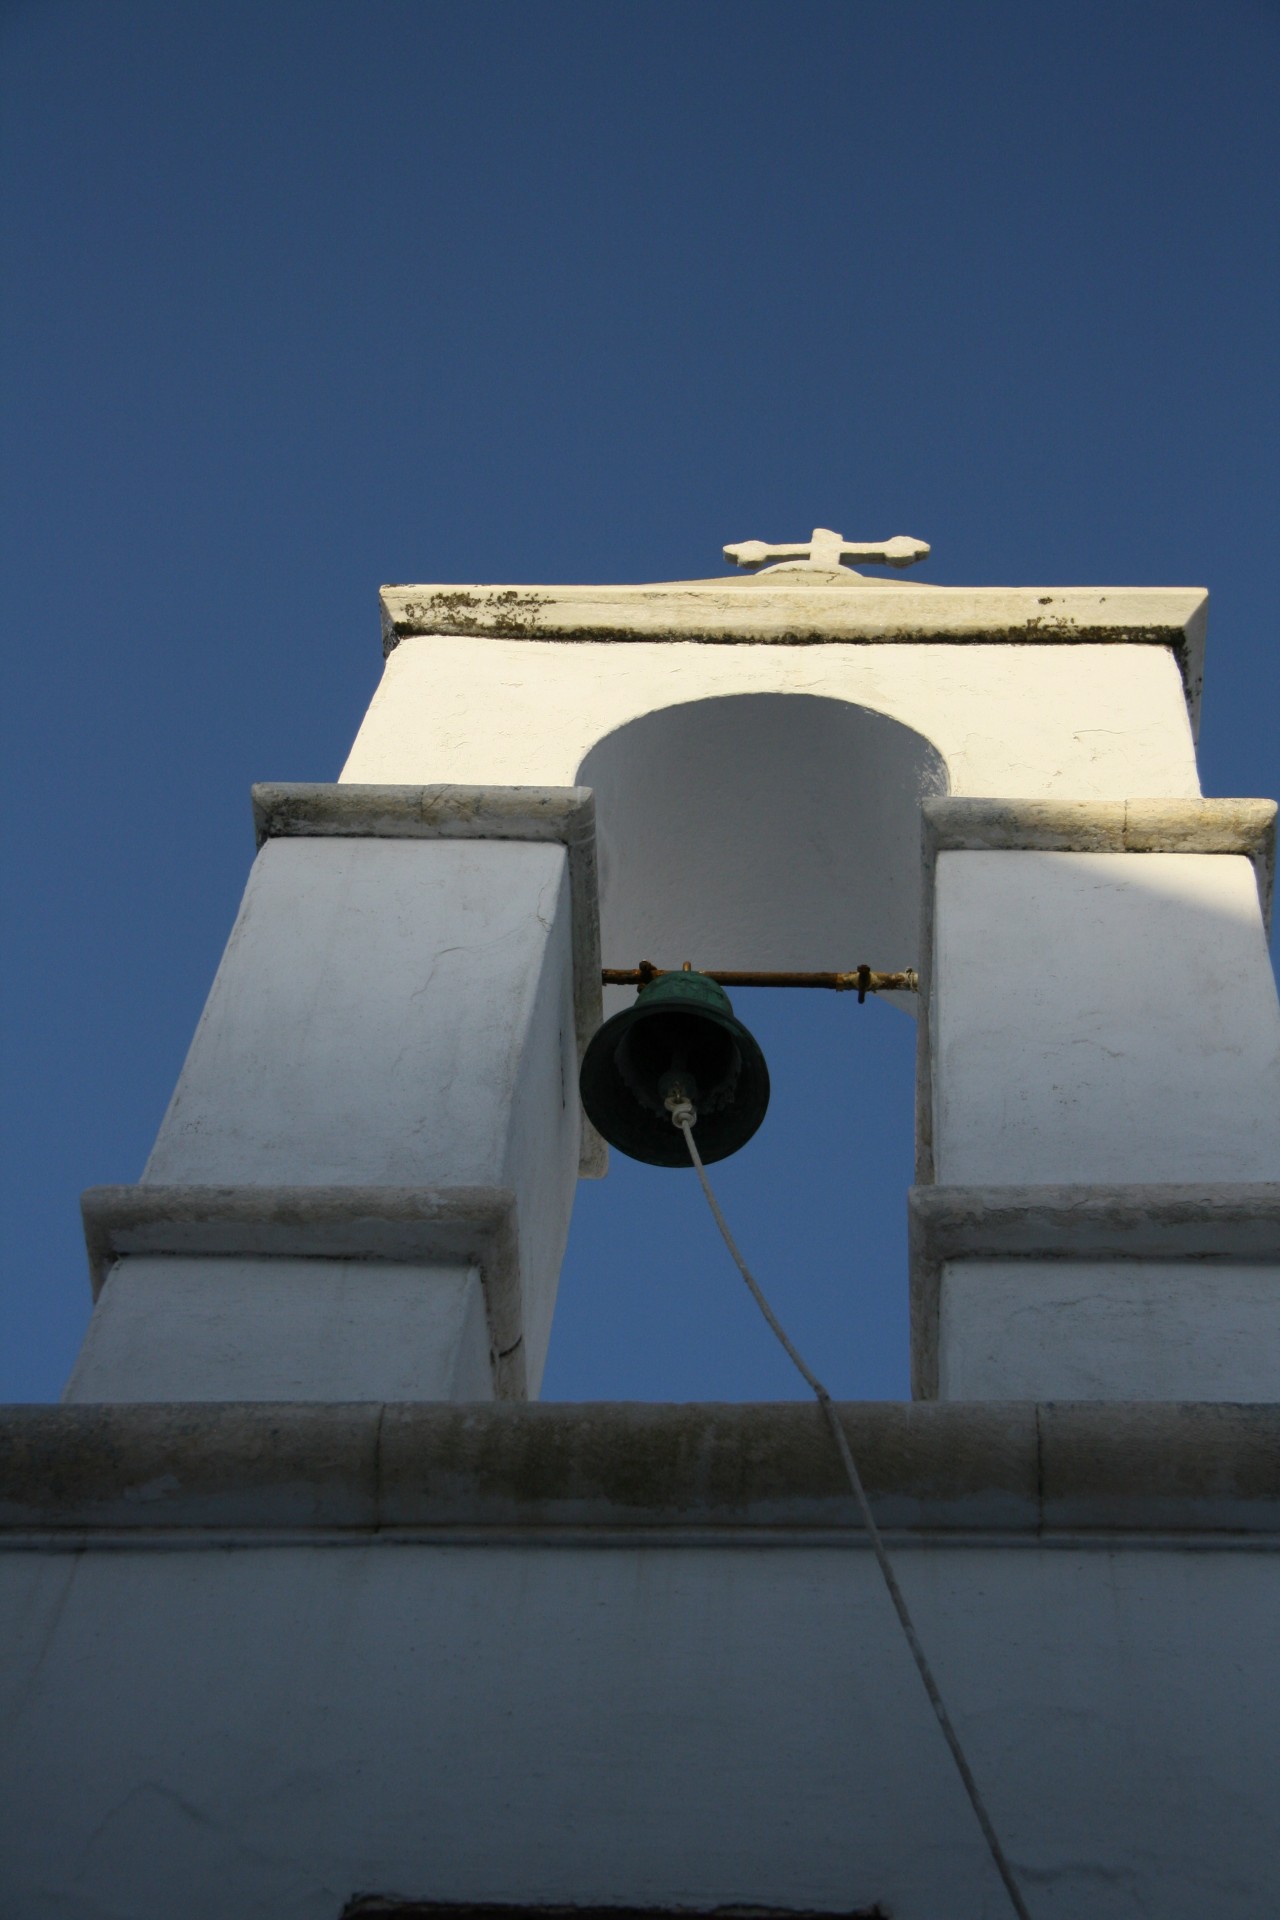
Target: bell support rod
<point x="862" y="980"/>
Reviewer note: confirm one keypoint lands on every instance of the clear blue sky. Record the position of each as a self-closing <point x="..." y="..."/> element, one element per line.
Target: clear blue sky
<point x="301" y="298"/>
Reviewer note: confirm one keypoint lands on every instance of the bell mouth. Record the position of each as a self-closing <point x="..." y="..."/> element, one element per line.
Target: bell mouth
<point x="669" y="1048"/>
<point x="682" y="1032"/>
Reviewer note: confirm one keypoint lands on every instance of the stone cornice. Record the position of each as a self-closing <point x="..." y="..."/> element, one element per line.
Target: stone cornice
<point x="799" y="609"/>
<point x="620" y="1472"/>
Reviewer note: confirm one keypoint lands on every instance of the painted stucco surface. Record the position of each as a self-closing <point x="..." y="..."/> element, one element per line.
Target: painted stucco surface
<point x="370" y="1015"/>
<point x="1135" y="1033"/>
<point x="1082" y="721"/>
<point x="173" y="1328"/>
<point x="265" y="1732"/>
<point x="388" y="1013"/>
<point x="1110" y="1330"/>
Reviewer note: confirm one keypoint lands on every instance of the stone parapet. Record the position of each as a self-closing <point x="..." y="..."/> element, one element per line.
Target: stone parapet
<point x="691" y="1473"/>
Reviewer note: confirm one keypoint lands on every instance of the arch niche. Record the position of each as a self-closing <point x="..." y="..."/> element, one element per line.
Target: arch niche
<point x="761" y="830"/>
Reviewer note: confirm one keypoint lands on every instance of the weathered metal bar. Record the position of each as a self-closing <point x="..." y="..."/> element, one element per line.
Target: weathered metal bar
<point x="861" y="980"/>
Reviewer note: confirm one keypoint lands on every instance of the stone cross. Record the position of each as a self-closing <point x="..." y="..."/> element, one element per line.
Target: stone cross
<point x="825" y="551"/>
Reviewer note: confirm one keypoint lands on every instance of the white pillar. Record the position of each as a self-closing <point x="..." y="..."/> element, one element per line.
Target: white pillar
<point x="362" y="1186"/>
<point x="1103" y="1104"/>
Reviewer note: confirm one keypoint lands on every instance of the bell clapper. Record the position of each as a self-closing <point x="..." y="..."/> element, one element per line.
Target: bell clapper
<point x="681" y="1108"/>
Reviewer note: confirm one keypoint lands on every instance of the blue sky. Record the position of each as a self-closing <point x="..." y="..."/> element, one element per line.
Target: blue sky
<point x="303" y="298"/>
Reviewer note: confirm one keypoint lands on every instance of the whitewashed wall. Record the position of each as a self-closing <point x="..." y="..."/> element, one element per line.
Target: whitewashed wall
<point x="205" y="1327"/>
<point x="266" y="1732"/>
<point x="389" y="1014"/>
<point x="1073" y="721"/>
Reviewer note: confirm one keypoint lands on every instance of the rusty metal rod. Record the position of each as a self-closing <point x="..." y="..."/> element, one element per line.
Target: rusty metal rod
<point x="862" y="980"/>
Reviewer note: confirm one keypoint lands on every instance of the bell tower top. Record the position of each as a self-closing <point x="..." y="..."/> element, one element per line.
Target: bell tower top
<point x="752" y="627"/>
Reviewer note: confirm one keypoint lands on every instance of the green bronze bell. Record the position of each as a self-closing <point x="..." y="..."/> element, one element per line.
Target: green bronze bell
<point x="681" y="1033"/>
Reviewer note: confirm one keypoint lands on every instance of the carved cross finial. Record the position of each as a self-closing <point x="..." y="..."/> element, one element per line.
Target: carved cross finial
<point x="825" y="551"/>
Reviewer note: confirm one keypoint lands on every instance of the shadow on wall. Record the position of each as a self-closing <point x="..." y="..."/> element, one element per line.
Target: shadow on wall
<point x="761" y="830"/>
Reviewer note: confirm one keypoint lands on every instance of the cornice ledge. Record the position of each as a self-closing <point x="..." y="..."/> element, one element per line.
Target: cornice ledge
<point x="788" y="609"/>
<point x="498" y="1474"/>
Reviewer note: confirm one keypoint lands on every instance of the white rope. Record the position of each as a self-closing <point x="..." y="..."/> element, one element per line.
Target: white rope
<point x="684" y="1115"/>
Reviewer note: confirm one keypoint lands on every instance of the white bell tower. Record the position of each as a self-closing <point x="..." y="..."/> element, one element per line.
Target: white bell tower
<point x="310" y="1611"/>
<point x="363" y="1184"/>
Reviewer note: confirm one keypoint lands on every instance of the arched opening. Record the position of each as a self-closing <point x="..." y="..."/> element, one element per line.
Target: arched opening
<point x="760" y="831"/>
